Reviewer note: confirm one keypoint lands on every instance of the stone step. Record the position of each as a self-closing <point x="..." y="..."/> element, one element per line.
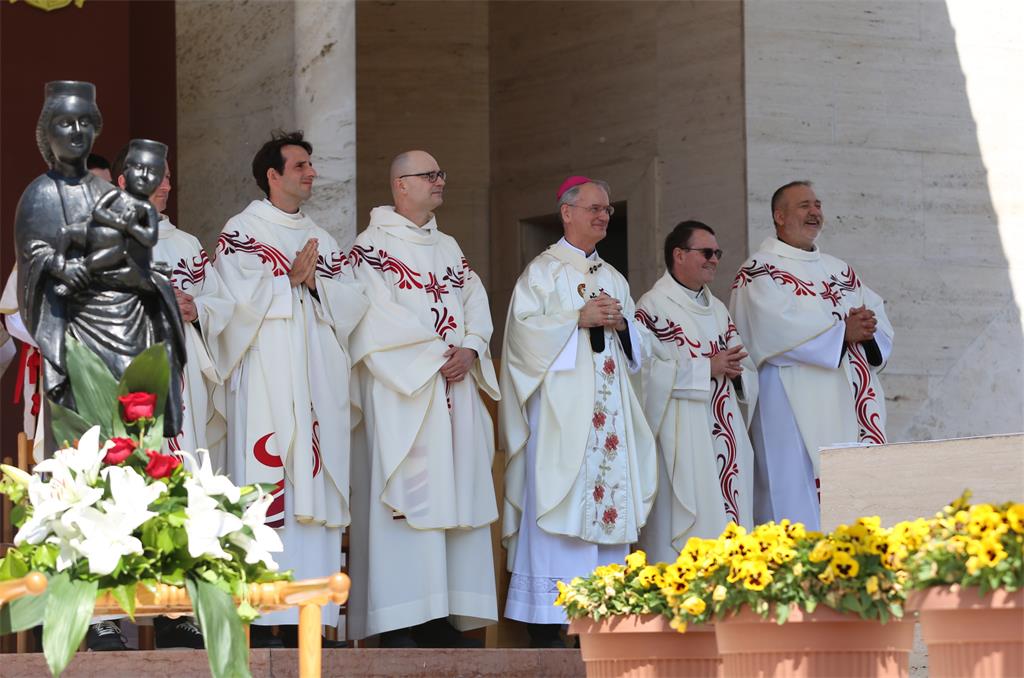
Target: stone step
<point x="350" y="663"/>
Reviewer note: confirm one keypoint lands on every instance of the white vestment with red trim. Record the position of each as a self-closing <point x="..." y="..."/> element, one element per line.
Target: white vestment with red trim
<point x="204" y="424"/>
<point x="29" y="392"/>
<point x="423" y="494"/>
<point x="706" y="468"/>
<point x="284" y="356"/>
<point x="582" y="468"/>
<point x="790" y="307"/>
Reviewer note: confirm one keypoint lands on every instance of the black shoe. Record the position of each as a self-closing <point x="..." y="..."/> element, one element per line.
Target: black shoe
<point x="263" y="637"/>
<point x="105" y="636"/>
<point x="439" y="633"/>
<point x="399" y="638"/>
<point x="180" y="632"/>
<point x="289" y="635"/>
<point x="545" y="636"/>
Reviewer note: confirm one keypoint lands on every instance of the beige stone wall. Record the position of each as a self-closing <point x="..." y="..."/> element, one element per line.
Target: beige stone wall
<point x="903" y="115"/>
<point x="647" y="95"/>
<point x="244" y="69"/>
<point x="422" y="73"/>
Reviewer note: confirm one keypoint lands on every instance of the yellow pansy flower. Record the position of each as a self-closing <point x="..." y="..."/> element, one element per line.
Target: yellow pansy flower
<point x="871" y="585"/>
<point x="694" y="606"/>
<point x="635" y="560"/>
<point x="845" y="565"/>
<point x="719" y="593"/>
<point x="1015" y="518"/>
<point x="822" y="551"/>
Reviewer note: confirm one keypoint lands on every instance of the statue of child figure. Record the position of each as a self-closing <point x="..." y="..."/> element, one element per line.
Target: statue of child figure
<point x="124" y="225"/>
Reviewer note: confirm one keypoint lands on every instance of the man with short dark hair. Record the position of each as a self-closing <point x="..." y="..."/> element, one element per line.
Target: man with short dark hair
<point x="582" y="467"/>
<point x="99" y="166"/>
<point x="698" y="376"/>
<point x="819" y="338"/>
<point x="284" y="356"/>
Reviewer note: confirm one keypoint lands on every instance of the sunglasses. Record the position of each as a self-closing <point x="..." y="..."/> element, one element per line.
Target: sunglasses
<point x="706" y="251"/>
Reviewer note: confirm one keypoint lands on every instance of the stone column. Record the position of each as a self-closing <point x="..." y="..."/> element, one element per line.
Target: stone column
<point x="245" y="69"/>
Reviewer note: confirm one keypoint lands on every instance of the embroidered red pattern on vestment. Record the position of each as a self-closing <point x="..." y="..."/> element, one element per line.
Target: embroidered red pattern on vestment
<point x="275" y="513"/>
<point x="746" y="274"/>
<point x="670" y="333"/>
<point x="434" y="288"/>
<point x="187" y="273"/>
<point x="865" y="398"/>
<point x="722" y="430"/>
<point x="232" y="243"/>
<point x="333" y="268"/>
<point x="317" y="459"/>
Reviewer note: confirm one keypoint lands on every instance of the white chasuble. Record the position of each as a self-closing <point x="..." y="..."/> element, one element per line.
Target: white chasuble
<point x="204" y="424"/>
<point x="284" y="356"/>
<point x="790" y="307"/>
<point x="582" y="469"/>
<point x="422" y="486"/>
<point x="707" y="463"/>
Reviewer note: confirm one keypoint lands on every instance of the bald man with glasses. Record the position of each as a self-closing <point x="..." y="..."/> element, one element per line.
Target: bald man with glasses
<point x="582" y="470"/>
<point x="422" y="487"/>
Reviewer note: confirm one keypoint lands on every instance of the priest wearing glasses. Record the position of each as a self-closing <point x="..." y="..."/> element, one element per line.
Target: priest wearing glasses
<point x="582" y="468"/>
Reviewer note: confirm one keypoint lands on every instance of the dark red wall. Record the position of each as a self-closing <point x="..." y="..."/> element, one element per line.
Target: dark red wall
<point x="127" y="49"/>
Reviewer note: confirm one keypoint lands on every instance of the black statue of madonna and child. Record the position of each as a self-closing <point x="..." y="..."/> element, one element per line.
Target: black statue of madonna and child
<point x="84" y="247"/>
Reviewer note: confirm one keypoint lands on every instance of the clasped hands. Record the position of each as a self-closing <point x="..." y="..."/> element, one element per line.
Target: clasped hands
<point x="304" y="265"/>
<point x="458" y="364"/>
<point x="186" y="305"/>
<point x="860" y="325"/>
<point x="602" y="311"/>
<point x="728" y="362"/>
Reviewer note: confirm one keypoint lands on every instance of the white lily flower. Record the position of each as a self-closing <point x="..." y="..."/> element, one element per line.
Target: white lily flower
<point x="264" y="540"/>
<point x="212" y="483"/>
<point x="205" y="523"/>
<point x="16" y="474"/>
<point x="51" y="499"/>
<point x="131" y="494"/>
<point x="105" y="537"/>
<point x="85" y="460"/>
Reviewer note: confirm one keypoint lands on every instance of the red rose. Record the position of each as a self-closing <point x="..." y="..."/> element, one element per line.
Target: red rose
<point x="599" y="419"/>
<point x="598" y="493"/>
<point x="122" y="449"/>
<point x="610" y="516"/>
<point x="160" y="465"/>
<point x="137" y="405"/>
<point x="611" y="443"/>
<point x="609" y="366"/>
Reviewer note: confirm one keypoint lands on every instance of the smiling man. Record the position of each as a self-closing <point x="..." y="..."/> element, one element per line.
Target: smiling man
<point x="582" y="468"/>
<point x="692" y="389"/>
<point x="819" y="338"/>
<point x="284" y="356"/>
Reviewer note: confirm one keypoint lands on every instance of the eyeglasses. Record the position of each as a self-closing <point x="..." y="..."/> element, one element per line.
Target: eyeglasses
<point x="431" y="176"/>
<point x="595" y="209"/>
<point x="706" y="251"/>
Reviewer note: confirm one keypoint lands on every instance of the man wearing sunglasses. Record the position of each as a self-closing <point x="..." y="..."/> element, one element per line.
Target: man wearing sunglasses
<point x="423" y="489"/>
<point x="698" y="376"/>
<point x="819" y="338"/>
<point x="582" y="468"/>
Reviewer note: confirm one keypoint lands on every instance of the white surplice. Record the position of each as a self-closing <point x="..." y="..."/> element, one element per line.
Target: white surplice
<point x="423" y="494"/>
<point x="582" y="469"/>
<point x="204" y="424"/>
<point x="29" y="363"/>
<point x="706" y="469"/>
<point x="284" y="356"/>
<point x="814" y="391"/>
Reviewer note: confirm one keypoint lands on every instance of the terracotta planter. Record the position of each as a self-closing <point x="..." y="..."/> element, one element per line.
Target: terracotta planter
<point x="644" y="646"/>
<point x="971" y="636"/>
<point x="821" y="643"/>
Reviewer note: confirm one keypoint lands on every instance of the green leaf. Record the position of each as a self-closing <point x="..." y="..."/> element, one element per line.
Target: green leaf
<point x="22" y="613"/>
<point x="66" y="424"/>
<point x="13" y="565"/>
<point x="149" y="372"/>
<point x="222" y="630"/>
<point x="782" y="612"/>
<point x="69" y="607"/>
<point x="125" y="597"/>
<point x="92" y="384"/>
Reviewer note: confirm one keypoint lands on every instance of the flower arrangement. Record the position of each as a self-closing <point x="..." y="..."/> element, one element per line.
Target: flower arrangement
<point x="978" y="546"/>
<point x="770" y="569"/>
<point x="110" y="513"/>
